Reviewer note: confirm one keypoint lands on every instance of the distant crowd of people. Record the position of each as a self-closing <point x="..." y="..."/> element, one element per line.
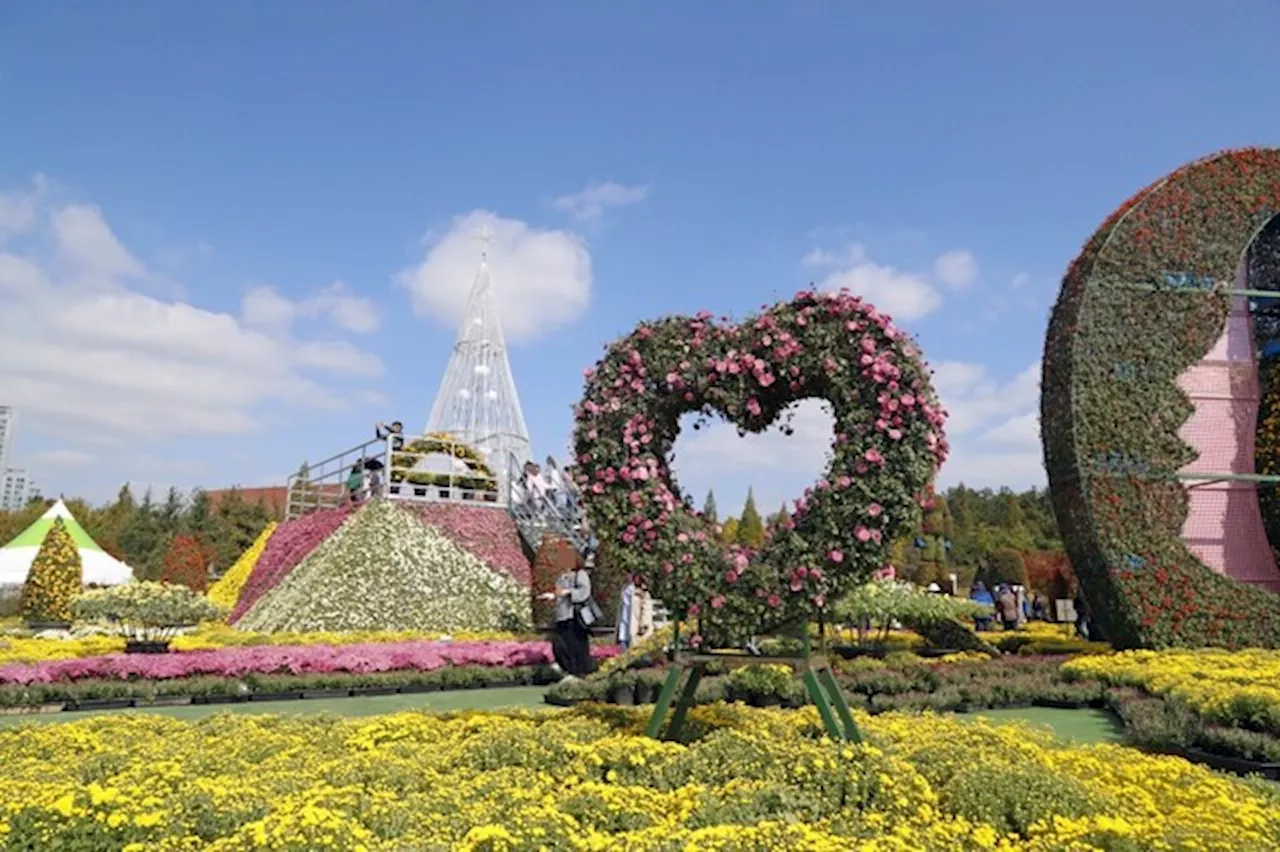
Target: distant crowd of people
<point x="1012" y="607"/>
<point x="365" y="478"/>
<point x="540" y="487"/>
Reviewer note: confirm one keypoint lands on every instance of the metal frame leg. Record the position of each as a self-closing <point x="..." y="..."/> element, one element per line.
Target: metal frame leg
<point x="851" y="731"/>
<point x="686" y="701"/>
<point x="664" y="702"/>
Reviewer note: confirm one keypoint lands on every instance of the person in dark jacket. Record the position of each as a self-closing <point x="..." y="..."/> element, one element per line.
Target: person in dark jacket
<point x="979" y="594"/>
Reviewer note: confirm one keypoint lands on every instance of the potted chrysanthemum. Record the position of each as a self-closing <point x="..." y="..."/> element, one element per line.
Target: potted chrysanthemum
<point x="148" y="615"/>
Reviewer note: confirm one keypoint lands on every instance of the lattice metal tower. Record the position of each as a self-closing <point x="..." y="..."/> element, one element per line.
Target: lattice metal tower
<point x="477" y="401"/>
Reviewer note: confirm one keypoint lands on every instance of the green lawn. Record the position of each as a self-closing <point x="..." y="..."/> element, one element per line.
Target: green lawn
<point x="1080" y="726"/>
<point x="463" y="699"/>
<point x="1084" y="726"/>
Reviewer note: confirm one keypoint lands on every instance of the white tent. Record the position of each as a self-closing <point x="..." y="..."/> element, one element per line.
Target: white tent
<point x="100" y="568"/>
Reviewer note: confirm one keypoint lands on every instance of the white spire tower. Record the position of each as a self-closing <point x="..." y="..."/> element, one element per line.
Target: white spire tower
<point x="477" y="401"/>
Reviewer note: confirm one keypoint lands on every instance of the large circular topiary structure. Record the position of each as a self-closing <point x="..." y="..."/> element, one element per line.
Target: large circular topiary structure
<point x="1141" y="304"/>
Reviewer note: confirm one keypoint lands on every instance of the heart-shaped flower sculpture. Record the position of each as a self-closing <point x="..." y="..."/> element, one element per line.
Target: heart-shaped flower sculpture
<point x="888" y="445"/>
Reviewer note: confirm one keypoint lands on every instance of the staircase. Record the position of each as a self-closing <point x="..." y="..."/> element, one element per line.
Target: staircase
<point x="536" y="517"/>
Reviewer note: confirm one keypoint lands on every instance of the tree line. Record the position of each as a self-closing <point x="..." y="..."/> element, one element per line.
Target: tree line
<point x="978" y="534"/>
<point x="141" y="532"/>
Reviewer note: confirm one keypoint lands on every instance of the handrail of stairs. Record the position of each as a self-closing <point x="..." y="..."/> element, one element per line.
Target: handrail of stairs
<point x="535" y="516"/>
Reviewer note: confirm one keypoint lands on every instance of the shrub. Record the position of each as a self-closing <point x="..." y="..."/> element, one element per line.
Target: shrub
<point x="55" y="578"/>
<point x="146" y="610"/>
<point x="186" y="563"/>
<point x="885" y="601"/>
<point x="1006" y="566"/>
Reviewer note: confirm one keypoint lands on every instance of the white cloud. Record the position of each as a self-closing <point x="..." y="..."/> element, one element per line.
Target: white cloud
<point x="264" y="308"/>
<point x="541" y="278"/>
<point x="780" y="467"/>
<point x="106" y="363"/>
<point x="852" y="254"/>
<point x="64" y="458"/>
<point x="993" y="426"/>
<point x="902" y="295"/>
<point x="1020" y="280"/>
<point x="19" y="209"/>
<point x="1020" y="432"/>
<point x="972" y="398"/>
<point x="590" y="203"/>
<point x="88" y="245"/>
<point x="956" y="269"/>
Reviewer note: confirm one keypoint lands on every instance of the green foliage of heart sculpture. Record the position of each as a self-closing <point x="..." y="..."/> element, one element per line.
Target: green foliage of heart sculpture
<point x="888" y="445"/>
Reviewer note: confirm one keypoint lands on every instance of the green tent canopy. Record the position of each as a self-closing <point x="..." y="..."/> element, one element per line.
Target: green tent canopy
<point x="100" y="568"/>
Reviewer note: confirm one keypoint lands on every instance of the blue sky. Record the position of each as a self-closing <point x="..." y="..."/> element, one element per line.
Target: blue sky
<point x="164" y="163"/>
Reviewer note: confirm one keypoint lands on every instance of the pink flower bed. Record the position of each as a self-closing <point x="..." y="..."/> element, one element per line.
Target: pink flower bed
<point x="487" y="533"/>
<point x="292" y="659"/>
<point x="288" y="545"/>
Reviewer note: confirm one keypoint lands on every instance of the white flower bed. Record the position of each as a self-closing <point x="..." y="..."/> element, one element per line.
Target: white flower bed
<point x="385" y="569"/>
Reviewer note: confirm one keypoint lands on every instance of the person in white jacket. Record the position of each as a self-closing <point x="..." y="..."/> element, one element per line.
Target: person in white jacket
<point x="635" y="616"/>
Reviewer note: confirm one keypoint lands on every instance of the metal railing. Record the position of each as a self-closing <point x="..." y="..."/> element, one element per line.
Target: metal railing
<point x="539" y="512"/>
<point x="421" y="469"/>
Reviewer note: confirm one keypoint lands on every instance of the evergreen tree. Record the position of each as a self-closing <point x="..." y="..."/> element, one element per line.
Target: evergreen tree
<point x="729" y="531"/>
<point x="55" y="578"/>
<point x="709" y="508"/>
<point x="235" y="526"/>
<point x="144" y="540"/>
<point x="750" y="527"/>
<point x="172" y="511"/>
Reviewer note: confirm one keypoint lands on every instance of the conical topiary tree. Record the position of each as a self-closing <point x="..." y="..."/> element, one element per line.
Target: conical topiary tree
<point x="55" y="578"/>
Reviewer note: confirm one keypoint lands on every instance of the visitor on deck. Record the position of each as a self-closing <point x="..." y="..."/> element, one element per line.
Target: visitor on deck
<point x="557" y="488"/>
<point x="980" y="594"/>
<point x="535" y="486"/>
<point x="394" y="431"/>
<point x="356" y="483"/>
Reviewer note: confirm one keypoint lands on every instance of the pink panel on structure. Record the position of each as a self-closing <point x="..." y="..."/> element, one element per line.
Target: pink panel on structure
<point x="1224" y="526"/>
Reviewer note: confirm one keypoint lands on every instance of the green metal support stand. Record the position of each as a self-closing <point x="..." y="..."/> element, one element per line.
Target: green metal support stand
<point x="819" y="683"/>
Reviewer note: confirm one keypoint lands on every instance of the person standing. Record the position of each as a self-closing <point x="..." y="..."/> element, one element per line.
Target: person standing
<point x="575" y="615"/>
<point x="635" y="615"/>
<point x="1007" y="607"/>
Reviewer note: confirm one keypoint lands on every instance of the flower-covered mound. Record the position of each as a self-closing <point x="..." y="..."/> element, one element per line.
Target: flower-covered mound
<point x="1136" y="309"/>
<point x="888" y="445"/>
<point x="213" y="635"/>
<point x="226" y="591"/>
<point x="387" y="569"/>
<point x="309" y="659"/>
<point x="483" y="531"/>
<point x="747" y="781"/>
<point x="289" y="545"/>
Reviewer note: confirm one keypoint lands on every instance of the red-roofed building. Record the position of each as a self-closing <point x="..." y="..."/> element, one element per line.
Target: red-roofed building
<point x="275" y="497"/>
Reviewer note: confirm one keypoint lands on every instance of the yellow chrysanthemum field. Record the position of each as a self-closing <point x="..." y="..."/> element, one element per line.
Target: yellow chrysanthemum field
<point x="586" y="780"/>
